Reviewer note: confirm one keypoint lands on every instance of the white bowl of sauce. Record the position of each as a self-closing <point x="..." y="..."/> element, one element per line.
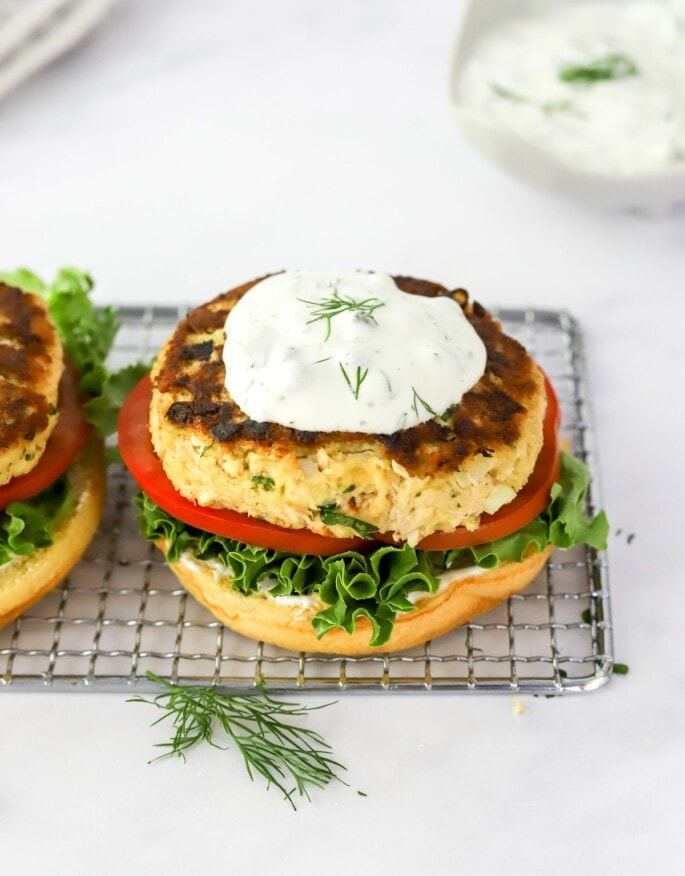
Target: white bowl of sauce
<point x="584" y="98"/>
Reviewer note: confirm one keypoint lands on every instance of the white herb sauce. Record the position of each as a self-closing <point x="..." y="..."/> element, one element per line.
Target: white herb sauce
<point x="622" y="125"/>
<point x="326" y="351"/>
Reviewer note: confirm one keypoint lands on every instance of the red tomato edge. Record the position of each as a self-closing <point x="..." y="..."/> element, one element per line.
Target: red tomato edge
<point x="136" y="449"/>
<point x="64" y="445"/>
<point x="139" y="456"/>
<point x="530" y="501"/>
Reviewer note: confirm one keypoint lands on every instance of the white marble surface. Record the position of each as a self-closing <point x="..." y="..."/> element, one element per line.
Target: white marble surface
<point x="187" y="147"/>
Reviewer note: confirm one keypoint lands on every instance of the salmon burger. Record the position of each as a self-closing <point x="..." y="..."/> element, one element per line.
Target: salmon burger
<point x="350" y="462"/>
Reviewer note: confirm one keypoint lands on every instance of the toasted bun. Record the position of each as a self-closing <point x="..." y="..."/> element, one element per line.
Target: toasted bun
<point x="26" y="579"/>
<point x="264" y="618"/>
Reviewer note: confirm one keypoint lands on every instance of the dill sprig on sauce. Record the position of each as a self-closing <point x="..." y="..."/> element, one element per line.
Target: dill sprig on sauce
<point x="258" y="725"/>
<point x="359" y="378"/>
<point x="328" y="308"/>
<point x="417" y="400"/>
<point x="602" y="69"/>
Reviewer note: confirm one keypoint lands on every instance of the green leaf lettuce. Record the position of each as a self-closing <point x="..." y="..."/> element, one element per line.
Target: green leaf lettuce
<point x="377" y="585"/>
<point x="28" y="525"/>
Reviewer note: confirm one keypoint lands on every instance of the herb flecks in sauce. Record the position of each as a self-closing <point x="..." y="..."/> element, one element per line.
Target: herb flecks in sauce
<point x="599" y="92"/>
<point x="606" y="68"/>
<point x="508" y="94"/>
<point x="548" y="107"/>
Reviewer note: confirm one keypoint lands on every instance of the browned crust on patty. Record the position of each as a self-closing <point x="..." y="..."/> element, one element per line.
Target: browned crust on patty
<point x="31" y="365"/>
<point x="489" y="416"/>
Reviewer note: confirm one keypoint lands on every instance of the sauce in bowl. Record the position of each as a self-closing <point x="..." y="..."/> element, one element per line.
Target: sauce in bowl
<point x="600" y="86"/>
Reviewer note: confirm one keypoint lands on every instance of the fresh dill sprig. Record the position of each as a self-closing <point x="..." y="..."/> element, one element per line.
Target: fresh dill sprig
<point x="328" y="308"/>
<point x="602" y="69"/>
<point x="259" y="726"/>
<point x="359" y="378"/>
<point x="417" y="400"/>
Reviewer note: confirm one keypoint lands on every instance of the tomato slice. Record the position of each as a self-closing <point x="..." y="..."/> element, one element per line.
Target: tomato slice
<point x="145" y="466"/>
<point x="530" y="501"/>
<point x="64" y="444"/>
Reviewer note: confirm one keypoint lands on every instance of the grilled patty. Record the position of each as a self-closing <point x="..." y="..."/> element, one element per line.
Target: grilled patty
<point x="31" y="366"/>
<point x="434" y="476"/>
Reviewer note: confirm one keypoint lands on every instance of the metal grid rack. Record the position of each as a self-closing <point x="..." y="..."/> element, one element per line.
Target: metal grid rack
<point x="121" y="612"/>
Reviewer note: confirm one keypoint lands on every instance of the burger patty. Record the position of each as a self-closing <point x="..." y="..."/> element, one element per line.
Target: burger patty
<point x="434" y="476"/>
<point x="31" y="365"/>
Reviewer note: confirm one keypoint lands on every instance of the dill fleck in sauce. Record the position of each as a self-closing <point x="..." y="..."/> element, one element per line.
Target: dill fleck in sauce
<point x="328" y="351"/>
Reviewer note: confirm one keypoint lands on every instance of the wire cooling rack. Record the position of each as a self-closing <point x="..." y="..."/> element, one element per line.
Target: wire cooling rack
<point x="122" y="613"/>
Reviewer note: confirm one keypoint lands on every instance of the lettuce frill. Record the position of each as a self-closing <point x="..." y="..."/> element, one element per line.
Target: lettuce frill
<point x="377" y="585"/>
<point x="28" y="525"/>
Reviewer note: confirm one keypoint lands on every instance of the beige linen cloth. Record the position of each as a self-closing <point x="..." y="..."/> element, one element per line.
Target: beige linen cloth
<point x="35" y="32"/>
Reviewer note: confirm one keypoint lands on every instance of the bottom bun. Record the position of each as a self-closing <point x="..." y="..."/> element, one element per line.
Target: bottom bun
<point x="289" y="626"/>
<point x="25" y="580"/>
